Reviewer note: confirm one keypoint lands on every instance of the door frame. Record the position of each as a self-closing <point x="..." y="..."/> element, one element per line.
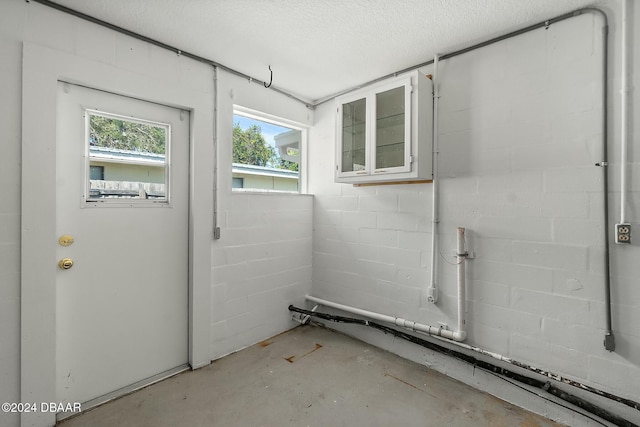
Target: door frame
<point x="42" y="69"/>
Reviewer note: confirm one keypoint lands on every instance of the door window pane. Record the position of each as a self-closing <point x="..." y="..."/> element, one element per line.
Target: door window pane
<point x="127" y="158"/>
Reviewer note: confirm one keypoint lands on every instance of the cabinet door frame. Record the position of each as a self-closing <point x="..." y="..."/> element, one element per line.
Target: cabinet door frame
<point x="406" y="166"/>
<point x="339" y="137"/>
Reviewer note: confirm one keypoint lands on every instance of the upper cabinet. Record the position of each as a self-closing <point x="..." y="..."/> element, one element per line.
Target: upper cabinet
<point x="384" y="132"/>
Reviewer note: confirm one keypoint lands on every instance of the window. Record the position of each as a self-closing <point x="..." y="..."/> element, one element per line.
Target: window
<point x="96" y="172"/>
<point x="266" y="154"/>
<point x="237" y="182"/>
<point x="127" y="158"/>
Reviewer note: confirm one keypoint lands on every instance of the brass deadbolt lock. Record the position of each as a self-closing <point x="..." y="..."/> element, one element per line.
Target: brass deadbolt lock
<point x="65" y="240"/>
<point x="65" y="263"/>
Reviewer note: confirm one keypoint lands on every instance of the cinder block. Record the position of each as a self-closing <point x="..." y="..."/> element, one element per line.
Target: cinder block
<point x="580" y="284"/>
<point x="239" y="202"/>
<point x="235" y="289"/>
<point x="414" y="240"/>
<point x="550" y="255"/>
<point x="531" y="109"/>
<point x="494" y="294"/>
<point x="235" y="307"/>
<point x="359" y="219"/>
<point x="566" y="41"/>
<point x="218" y="298"/>
<point x="378" y="203"/>
<point x="375" y="269"/>
<point x="327" y="246"/>
<point x="491" y="249"/>
<point x="402" y="257"/>
<point x="553" y="205"/>
<point x="323" y="217"/>
<point x="573" y="99"/>
<point x="241" y="253"/>
<point x="543" y="355"/>
<point x="412" y="277"/>
<point x="578" y="71"/>
<point x="219" y="331"/>
<point x="359" y="251"/>
<point x="520" y="182"/>
<point x="525" y="82"/>
<point x="613" y="373"/>
<point x="377" y="237"/>
<point x="399" y="221"/>
<point x="418" y="203"/>
<point x="534" y="229"/>
<point x="573" y="180"/>
<point x="578" y="232"/>
<point x="491" y="339"/>
<point x="490" y="315"/>
<point x="586" y="340"/>
<point x="332" y="202"/>
<point x="514" y="275"/>
<point x="242" y="219"/>
<point x="569" y="310"/>
<point x="228" y="273"/>
<point x="455" y="121"/>
<point x="525" y="324"/>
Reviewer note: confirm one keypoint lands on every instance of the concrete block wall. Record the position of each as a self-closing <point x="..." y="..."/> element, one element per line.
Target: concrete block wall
<point x="267" y="239"/>
<point x="261" y="264"/>
<point x="520" y="132"/>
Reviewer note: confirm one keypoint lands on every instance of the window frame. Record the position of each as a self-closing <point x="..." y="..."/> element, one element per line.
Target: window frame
<point x="122" y="201"/>
<point x="278" y="121"/>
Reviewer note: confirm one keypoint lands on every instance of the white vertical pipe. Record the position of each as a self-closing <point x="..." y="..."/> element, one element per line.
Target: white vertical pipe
<point x="432" y="291"/>
<point x="624" y="91"/>
<point x="462" y="256"/>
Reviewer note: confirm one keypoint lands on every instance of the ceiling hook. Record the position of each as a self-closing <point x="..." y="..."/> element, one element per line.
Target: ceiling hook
<point x="270" y="80"/>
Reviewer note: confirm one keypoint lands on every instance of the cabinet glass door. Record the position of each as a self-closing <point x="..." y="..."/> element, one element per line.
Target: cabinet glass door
<point x="390" y="132"/>
<point x="354" y="124"/>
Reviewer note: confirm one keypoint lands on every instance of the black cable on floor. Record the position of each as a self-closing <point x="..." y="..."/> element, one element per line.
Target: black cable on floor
<point x="545" y="398"/>
<point x="544" y="385"/>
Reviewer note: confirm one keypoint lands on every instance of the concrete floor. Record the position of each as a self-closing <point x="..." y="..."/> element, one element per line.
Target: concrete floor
<point x="309" y="376"/>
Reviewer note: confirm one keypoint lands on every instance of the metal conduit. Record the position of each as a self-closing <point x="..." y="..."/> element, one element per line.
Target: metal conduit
<point x="162" y="45"/>
<point x="609" y="341"/>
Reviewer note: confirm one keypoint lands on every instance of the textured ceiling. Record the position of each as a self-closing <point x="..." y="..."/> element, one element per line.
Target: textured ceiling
<point x="317" y="48"/>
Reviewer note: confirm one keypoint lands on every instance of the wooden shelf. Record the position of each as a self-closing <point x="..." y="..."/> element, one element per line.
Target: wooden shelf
<point x="370" y="184"/>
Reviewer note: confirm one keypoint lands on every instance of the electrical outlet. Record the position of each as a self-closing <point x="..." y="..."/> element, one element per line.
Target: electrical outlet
<point x="623" y="233"/>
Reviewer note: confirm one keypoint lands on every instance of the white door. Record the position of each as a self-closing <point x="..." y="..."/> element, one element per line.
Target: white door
<point x="122" y="222"/>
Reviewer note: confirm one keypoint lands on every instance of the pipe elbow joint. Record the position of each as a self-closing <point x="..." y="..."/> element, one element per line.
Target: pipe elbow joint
<point x="459" y="336"/>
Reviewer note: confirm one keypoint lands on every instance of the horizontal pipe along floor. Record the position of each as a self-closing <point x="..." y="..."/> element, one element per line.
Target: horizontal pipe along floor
<point x="309" y="376"/>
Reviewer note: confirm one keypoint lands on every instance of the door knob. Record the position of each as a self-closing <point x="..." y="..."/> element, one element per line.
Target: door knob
<point x="65" y="263"/>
